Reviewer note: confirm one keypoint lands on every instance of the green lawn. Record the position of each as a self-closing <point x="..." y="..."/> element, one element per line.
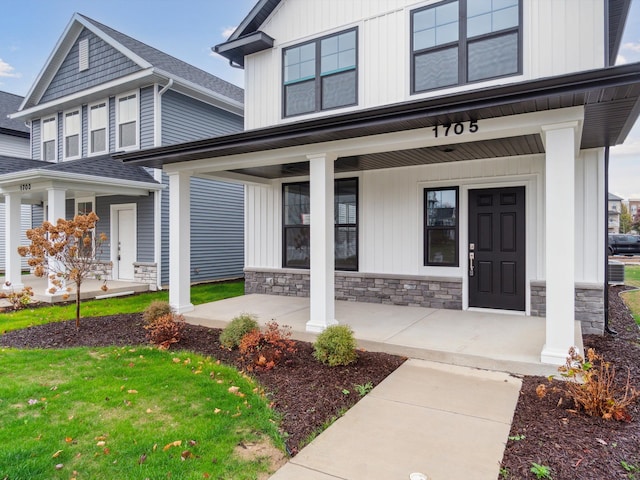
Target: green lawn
<point x="110" y="306"/>
<point x="632" y="298"/>
<point x="127" y="413"/>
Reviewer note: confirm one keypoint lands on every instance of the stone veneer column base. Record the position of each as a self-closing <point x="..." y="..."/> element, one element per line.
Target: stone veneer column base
<point x="407" y="290"/>
<point x="589" y="305"/>
<point x="146" y="272"/>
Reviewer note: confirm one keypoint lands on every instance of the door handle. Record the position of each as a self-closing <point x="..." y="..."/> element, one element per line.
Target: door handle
<point x="472" y="256"/>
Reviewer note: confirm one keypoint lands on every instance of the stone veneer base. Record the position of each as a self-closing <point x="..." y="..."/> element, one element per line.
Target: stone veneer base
<point x="408" y="290"/>
<point x="418" y="291"/>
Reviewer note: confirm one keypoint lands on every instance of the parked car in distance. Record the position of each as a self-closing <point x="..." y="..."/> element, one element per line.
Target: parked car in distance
<point x="624" y="244"/>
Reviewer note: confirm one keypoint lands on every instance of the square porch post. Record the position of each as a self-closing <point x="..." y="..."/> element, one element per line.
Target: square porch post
<point x="180" y="241"/>
<point x="322" y="283"/>
<point x="560" y="145"/>
<point x="56" y="198"/>
<point x="13" y="273"/>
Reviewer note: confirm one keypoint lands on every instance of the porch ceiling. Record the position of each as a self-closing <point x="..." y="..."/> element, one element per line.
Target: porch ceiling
<point x="504" y="147"/>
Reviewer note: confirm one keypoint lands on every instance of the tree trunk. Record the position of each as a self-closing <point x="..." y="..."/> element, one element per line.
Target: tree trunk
<point x="77" y="304"/>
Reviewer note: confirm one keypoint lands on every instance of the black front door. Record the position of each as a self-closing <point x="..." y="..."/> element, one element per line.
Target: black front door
<point x="497" y="248"/>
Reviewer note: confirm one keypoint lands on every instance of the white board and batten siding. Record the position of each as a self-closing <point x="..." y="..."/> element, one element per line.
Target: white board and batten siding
<point x="391" y="215"/>
<point x="559" y="37"/>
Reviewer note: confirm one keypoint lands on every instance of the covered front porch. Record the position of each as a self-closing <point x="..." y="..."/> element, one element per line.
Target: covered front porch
<point x="492" y="341"/>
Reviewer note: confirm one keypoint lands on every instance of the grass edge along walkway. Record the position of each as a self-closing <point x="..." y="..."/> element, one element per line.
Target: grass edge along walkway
<point x="123" y="412"/>
<point x="202" y="293"/>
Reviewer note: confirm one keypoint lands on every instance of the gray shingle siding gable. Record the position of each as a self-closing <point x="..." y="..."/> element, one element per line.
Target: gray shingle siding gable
<point x="185" y="119"/>
<point x="105" y="64"/>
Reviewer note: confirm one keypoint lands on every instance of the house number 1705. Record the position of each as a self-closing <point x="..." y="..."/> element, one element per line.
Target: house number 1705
<point x="456" y="128"/>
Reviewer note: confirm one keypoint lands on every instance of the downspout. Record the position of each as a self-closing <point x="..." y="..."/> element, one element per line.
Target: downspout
<point x="607" y="328"/>
<point x="157" y="175"/>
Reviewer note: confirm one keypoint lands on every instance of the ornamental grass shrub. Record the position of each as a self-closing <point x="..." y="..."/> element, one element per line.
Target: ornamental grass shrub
<point x="156" y="309"/>
<point x="336" y="346"/>
<point x="238" y="328"/>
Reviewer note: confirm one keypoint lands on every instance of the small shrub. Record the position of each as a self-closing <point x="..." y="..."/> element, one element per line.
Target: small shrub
<point x="264" y="350"/>
<point x="19" y="299"/>
<point x="156" y="309"/>
<point x="593" y="389"/>
<point x="165" y="330"/>
<point x="336" y="346"/>
<point x="238" y="328"/>
<point x="541" y="471"/>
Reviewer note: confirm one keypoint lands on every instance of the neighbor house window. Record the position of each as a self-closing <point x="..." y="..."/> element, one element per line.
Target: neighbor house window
<point x="321" y="74"/>
<point x="441" y="227"/>
<point x="463" y="41"/>
<point x="49" y="131"/>
<point x="127" y="121"/>
<point x="98" y="121"/>
<point x="84" y="206"/>
<point x="72" y="134"/>
<point x="297" y="224"/>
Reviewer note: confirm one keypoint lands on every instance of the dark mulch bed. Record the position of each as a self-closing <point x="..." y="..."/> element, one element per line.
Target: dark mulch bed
<point x="304" y="392"/>
<point x="574" y="445"/>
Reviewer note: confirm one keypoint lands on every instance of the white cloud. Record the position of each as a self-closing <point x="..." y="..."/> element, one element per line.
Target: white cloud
<point x="226" y="33"/>
<point x="621" y="60"/>
<point x="6" y="70"/>
<point x="632" y="46"/>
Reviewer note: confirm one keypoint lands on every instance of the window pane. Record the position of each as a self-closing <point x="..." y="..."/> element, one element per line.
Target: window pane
<point x="98" y="141"/>
<point x="127" y="134"/>
<point x="478" y="7"/>
<point x="441" y="246"/>
<point x="447" y="13"/>
<point x="127" y="109"/>
<point x="329" y="45"/>
<point x="346" y="201"/>
<point x="72" y="146"/>
<point x="493" y="57"/>
<point x="300" y="98"/>
<point x="339" y="90"/>
<point x="338" y="52"/>
<point x="297" y="251"/>
<point x="436" y="69"/>
<point x="487" y="16"/>
<point x="49" y="129"/>
<point x="435" y="26"/>
<point x="72" y="123"/>
<point x="296" y="204"/>
<point x="441" y="208"/>
<point x="506" y="18"/>
<point x="478" y="25"/>
<point x="424" y="39"/>
<point x="49" y="150"/>
<point x="98" y="117"/>
<point x="346" y="242"/>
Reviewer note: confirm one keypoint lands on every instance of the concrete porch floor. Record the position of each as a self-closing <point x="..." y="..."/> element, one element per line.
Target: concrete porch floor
<point x="486" y="340"/>
<point x="90" y="289"/>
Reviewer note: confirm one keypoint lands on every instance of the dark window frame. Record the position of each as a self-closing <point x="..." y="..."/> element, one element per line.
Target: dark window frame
<point x="427" y="228"/>
<point x="286" y="226"/>
<point x="318" y="74"/>
<point x="463" y="46"/>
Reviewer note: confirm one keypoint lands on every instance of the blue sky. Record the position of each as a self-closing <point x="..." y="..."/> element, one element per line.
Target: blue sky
<point x="187" y="29"/>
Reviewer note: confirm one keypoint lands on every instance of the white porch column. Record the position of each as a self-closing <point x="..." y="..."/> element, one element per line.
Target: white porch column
<point x="322" y="282"/>
<point x="13" y="274"/>
<point x="180" y="241"/>
<point x="560" y="143"/>
<point x="56" y="199"/>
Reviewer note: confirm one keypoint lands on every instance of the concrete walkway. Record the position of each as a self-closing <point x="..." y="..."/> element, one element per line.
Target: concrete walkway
<point x="446" y="413"/>
<point x="446" y="422"/>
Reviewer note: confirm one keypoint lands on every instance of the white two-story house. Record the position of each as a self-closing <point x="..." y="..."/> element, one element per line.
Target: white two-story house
<point x="102" y="92"/>
<point x="441" y="153"/>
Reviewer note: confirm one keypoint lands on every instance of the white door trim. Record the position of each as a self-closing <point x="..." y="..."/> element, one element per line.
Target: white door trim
<point x="113" y="241"/>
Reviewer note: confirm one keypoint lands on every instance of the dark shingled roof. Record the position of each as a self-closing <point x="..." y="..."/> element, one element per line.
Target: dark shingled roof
<point x="9" y="103"/>
<point x="102" y="166"/>
<point x="15" y="164"/>
<point x="173" y="65"/>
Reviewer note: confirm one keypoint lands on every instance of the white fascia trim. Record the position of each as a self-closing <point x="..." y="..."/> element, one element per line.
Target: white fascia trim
<point x="218" y="100"/>
<point x="43" y="175"/>
<point x="80" y="97"/>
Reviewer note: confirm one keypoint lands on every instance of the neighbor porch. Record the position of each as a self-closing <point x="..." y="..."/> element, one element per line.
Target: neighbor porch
<point x="492" y="341"/>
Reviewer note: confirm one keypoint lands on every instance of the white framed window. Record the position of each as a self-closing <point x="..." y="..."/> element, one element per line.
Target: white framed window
<point x="72" y="134"/>
<point x="49" y="146"/>
<point x="84" y="206"/>
<point x="127" y="121"/>
<point x="98" y="128"/>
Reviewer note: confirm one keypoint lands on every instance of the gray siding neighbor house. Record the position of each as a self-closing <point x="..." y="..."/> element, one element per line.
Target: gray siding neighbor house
<point x="14" y="143"/>
<point x="102" y="92"/>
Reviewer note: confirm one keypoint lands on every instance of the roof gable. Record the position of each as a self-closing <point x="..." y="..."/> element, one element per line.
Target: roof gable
<point x="136" y="55"/>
